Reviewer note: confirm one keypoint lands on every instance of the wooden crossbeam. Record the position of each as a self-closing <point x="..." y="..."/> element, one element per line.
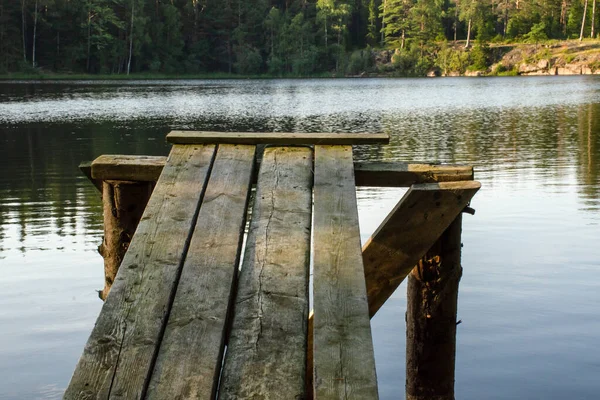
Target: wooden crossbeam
<point x="276" y="138"/>
<point x="189" y="359"/>
<point x="379" y="174"/>
<point x="411" y="228"/>
<point x="344" y="364"/>
<point x="266" y="354"/>
<point x="127" y="168"/>
<point x="118" y="356"/>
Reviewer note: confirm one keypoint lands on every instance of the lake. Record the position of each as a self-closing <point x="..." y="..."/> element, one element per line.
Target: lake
<point x="530" y="293"/>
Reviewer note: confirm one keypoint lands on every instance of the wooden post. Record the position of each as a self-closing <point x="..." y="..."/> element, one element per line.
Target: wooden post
<point x="123" y="203"/>
<point x="431" y="319"/>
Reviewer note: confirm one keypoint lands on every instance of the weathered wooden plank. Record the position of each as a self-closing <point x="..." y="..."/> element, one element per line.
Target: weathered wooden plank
<point x="379" y="174"/>
<point x="127" y="168"/>
<point x="266" y="354"/>
<point x="411" y="228"/>
<point x="118" y="356"/>
<point x="190" y="355"/>
<point x="344" y="365"/>
<point x="278" y="138"/>
<point x="392" y="174"/>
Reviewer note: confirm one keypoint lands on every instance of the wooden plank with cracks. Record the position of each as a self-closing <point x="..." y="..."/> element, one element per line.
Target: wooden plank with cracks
<point x="344" y="364"/>
<point x="191" y="352"/>
<point x="266" y="354"/>
<point x="118" y="357"/>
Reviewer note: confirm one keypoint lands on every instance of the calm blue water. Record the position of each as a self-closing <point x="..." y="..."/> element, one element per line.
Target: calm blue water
<point x="529" y="294"/>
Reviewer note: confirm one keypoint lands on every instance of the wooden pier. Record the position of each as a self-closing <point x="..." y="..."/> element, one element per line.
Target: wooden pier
<point x="182" y="320"/>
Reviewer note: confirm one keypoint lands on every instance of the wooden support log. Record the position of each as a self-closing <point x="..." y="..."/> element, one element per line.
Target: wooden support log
<point x="431" y="319"/>
<point x="123" y="205"/>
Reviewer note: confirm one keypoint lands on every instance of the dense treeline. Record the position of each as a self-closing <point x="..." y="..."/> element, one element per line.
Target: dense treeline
<point x="295" y="37"/>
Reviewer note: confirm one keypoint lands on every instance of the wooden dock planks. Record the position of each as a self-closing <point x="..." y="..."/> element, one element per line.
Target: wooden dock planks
<point x="266" y="355"/>
<point x="119" y="354"/>
<point x="190" y="355"/>
<point x="411" y="228"/>
<point x="344" y="364"/>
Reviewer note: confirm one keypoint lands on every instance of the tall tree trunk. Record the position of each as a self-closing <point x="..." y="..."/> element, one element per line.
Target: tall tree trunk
<point x="403" y="40"/>
<point x="583" y="20"/>
<point x="468" y="35"/>
<point x="505" y="18"/>
<point x="131" y="37"/>
<point x="35" y="18"/>
<point x="593" y="18"/>
<point x="23" y="29"/>
<point x="383" y="23"/>
<point x="89" y="40"/>
<point x="563" y="15"/>
<point x="455" y="20"/>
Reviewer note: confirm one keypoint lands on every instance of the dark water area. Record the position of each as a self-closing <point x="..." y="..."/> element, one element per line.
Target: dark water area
<point x="529" y="295"/>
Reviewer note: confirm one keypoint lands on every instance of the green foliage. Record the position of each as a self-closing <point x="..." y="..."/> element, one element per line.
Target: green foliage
<point x="280" y="38"/>
<point x="537" y="33"/>
<point x="479" y="57"/>
<point x="360" y="61"/>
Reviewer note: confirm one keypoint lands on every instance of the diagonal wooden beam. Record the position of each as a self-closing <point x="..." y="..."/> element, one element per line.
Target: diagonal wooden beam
<point x="411" y="228"/>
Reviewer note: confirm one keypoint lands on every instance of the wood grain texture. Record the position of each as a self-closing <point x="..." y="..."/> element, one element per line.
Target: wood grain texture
<point x="266" y="354"/>
<point x="86" y="168"/>
<point x="127" y="168"/>
<point x="397" y="174"/>
<point x="344" y="365"/>
<point x="191" y="352"/>
<point x="277" y="138"/>
<point x="378" y="174"/>
<point x="118" y="356"/>
<point x="411" y="228"/>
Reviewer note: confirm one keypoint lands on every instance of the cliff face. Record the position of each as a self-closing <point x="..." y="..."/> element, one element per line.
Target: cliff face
<point x="563" y="58"/>
<point x="557" y="58"/>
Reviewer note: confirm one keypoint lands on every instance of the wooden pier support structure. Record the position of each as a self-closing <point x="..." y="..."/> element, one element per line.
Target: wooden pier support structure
<point x="331" y="356"/>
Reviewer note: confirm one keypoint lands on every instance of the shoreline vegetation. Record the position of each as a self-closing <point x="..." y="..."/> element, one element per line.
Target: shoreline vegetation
<point x="170" y="39"/>
<point x="572" y="57"/>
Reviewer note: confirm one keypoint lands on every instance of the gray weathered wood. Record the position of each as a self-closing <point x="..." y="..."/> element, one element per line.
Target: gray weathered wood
<point x="344" y="365"/>
<point x="379" y="174"/>
<point x="410" y="229"/>
<point x="127" y="168"/>
<point x="266" y="354"/>
<point x="393" y="174"/>
<point x="280" y="138"/>
<point x="119" y="354"/>
<point x="190" y="355"/>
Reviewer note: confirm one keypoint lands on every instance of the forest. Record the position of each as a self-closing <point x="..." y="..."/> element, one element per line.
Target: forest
<point x="271" y="37"/>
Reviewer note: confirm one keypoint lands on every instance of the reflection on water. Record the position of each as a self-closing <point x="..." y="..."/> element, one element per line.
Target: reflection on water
<point x="530" y="253"/>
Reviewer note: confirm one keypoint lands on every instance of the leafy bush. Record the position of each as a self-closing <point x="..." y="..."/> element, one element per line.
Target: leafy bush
<point x="360" y="61"/>
<point x="536" y="34"/>
<point x="479" y="57"/>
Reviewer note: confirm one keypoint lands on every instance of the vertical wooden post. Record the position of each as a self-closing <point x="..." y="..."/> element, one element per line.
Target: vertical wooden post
<point x="431" y="319"/>
<point x="123" y="204"/>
